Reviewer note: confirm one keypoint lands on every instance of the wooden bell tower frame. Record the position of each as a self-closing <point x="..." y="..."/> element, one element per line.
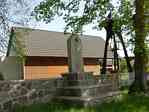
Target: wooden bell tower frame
<point x="110" y="34"/>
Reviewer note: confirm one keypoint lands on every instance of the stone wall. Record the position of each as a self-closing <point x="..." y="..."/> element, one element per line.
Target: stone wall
<point x="26" y="92"/>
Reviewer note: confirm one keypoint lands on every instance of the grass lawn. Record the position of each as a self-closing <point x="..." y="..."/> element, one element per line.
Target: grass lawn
<point x="123" y="103"/>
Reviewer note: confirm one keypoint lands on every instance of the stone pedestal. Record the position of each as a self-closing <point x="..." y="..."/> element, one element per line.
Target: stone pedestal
<point x="83" y="89"/>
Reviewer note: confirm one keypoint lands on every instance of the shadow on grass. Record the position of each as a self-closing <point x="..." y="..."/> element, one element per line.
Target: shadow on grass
<point x="123" y="103"/>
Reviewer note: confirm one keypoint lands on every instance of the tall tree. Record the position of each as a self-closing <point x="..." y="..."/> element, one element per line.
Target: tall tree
<point x="140" y="52"/>
<point x="78" y="13"/>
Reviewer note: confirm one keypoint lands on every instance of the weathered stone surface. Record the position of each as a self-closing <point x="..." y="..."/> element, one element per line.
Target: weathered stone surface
<point x="7" y="105"/>
<point x="85" y="90"/>
<point x="75" y="60"/>
<point x="26" y="92"/>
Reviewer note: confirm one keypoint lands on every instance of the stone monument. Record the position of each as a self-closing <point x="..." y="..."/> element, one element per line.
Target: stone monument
<point x="74" y="48"/>
<point x="75" y="60"/>
<point x="79" y="87"/>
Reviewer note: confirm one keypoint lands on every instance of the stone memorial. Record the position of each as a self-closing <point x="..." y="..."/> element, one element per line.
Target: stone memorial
<point x="79" y="87"/>
<point x="74" y="48"/>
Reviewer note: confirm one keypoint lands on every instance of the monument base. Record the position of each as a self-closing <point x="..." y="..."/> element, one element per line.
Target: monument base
<point x="83" y="89"/>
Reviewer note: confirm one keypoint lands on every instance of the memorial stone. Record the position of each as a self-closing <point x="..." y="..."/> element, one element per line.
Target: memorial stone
<point x="74" y="48"/>
<point x="79" y="87"/>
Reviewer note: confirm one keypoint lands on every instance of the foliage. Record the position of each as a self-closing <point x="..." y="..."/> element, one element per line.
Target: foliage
<point x="18" y="44"/>
<point x="147" y="15"/>
<point x="77" y="13"/>
<point x="140" y="83"/>
<point x="124" y="103"/>
<point x="12" y="12"/>
<point x="123" y="66"/>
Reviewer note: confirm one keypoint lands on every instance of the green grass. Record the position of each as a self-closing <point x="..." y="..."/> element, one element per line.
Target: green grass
<point x="124" y="103"/>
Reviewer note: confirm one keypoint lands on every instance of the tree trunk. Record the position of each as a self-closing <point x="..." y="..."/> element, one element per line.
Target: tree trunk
<point x="139" y="84"/>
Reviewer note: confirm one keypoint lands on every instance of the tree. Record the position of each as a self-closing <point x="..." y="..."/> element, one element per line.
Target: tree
<point x="78" y="13"/>
<point x="140" y="52"/>
<point x="12" y="12"/>
<point x="123" y="66"/>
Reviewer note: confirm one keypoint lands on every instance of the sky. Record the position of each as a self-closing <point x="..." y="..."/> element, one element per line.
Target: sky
<point x="58" y="25"/>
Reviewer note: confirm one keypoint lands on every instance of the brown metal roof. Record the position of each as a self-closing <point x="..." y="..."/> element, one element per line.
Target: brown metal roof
<point x="49" y="43"/>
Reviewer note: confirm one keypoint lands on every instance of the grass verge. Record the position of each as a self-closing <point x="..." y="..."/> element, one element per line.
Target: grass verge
<point x="124" y="103"/>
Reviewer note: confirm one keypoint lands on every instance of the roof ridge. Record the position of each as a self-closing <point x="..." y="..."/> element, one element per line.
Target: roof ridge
<point x="82" y="36"/>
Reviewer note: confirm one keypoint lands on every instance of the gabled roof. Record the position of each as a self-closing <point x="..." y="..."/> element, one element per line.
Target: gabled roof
<point x="49" y="43"/>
